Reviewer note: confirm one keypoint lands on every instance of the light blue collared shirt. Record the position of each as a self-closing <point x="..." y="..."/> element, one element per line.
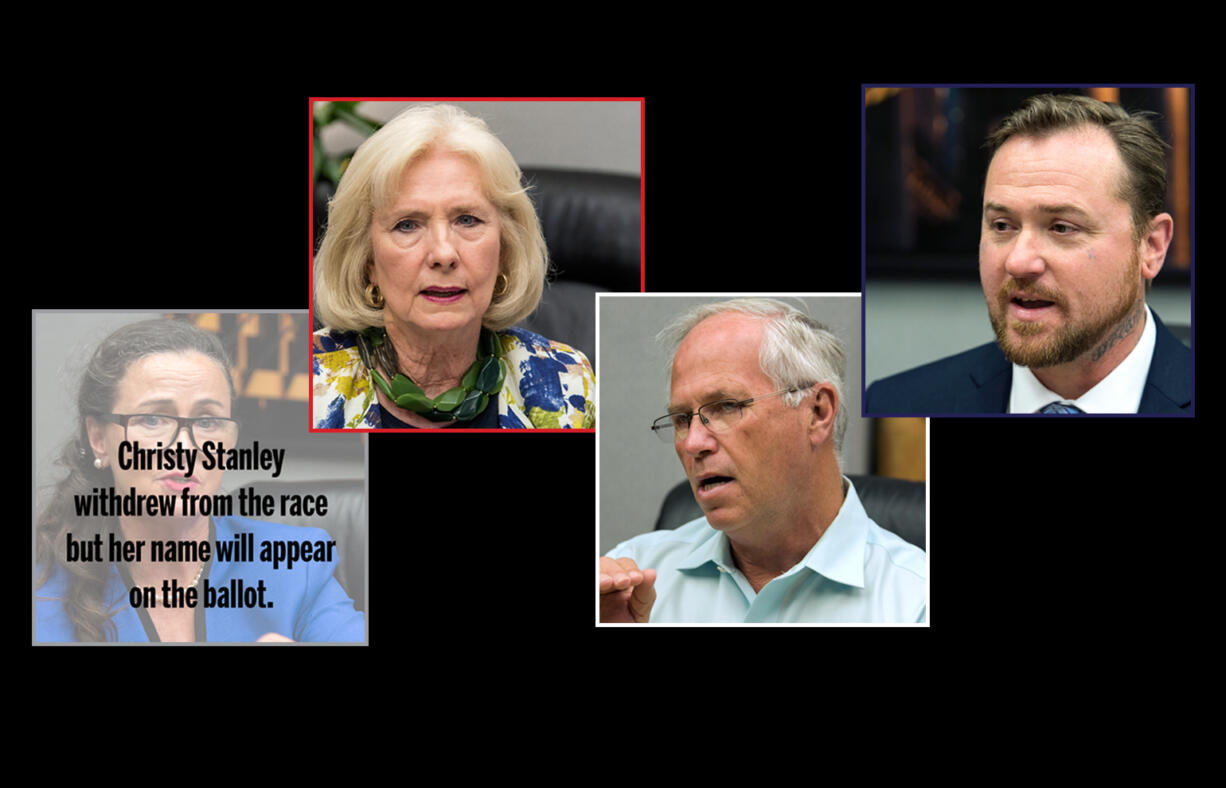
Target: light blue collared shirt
<point x="858" y="572"/>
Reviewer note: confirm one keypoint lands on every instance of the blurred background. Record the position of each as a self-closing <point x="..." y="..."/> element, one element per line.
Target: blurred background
<point x="636" y="471"/>
<point x="268" y="352"/>
<point x="924" y="165"/>
<point x="582" y="162"/>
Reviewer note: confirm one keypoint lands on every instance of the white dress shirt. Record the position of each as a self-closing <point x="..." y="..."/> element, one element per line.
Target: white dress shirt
<point x="1119" y="392"/>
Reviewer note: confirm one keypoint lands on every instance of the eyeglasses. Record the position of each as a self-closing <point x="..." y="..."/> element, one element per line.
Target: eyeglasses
<point x="154" y="427"/>
<point x="718" y="416"/>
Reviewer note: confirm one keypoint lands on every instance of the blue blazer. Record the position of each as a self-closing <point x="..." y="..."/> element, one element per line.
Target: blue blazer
<point x="979" y="381"/>
<point x="307" y="603"/>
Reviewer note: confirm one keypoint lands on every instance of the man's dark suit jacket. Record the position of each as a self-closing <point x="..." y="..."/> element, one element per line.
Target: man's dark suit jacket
<point x="979" y="381"/>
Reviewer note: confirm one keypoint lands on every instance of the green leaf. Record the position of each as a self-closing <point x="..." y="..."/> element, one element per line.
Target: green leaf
<point x="331" y="169"/>
<point x="343" y="111"/>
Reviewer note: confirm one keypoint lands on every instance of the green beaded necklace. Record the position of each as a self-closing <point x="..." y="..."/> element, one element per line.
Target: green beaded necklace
<point x="462" y="403"/>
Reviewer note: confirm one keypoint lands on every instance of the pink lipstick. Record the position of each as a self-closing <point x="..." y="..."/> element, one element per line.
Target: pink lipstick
<point x="178" y="484"/>
<point x="443" y="295"/>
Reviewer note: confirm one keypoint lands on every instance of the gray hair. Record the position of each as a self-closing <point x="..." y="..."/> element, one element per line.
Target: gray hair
<point x="796" y="349"/>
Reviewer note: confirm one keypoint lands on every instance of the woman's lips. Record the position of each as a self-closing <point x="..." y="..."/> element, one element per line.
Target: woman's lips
<point x="443" y="295"/>
<point x="178" y="484"/>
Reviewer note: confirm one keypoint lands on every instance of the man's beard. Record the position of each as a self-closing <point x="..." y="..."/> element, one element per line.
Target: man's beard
<point x="1071" y="340"/>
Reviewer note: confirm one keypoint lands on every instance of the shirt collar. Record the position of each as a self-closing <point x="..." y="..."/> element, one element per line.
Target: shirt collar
<point x="838" y="554"/>
<point x="1119" y="392"/>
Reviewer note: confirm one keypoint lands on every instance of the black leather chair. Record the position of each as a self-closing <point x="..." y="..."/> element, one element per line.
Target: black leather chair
<point x="591" y="223"/>
<point x="894" y="504"/>
<point x="345" y="522"/>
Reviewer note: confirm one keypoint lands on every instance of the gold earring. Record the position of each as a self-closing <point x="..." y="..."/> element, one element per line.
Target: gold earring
<point x="506" y="283"/>
<point x="374" y="297"/>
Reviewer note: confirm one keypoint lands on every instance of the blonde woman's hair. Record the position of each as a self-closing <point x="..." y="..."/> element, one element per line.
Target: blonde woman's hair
<point x="373" y="178"/>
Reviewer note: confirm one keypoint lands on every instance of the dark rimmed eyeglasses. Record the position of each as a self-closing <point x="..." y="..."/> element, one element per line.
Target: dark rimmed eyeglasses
<point x="161" y="427"/>
<point x="719" y="416"/>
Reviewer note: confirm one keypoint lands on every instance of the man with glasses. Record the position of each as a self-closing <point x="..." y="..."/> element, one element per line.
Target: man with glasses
<point x="756" y="417"/>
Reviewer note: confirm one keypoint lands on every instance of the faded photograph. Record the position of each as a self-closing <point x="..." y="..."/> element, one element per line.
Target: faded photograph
<point x="179" y="495"/>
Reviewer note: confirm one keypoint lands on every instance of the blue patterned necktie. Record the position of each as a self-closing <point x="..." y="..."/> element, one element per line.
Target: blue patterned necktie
<point x="1060" y="407"/>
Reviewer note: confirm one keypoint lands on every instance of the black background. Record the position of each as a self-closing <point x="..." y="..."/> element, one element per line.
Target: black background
<point x="1043" y="533"/>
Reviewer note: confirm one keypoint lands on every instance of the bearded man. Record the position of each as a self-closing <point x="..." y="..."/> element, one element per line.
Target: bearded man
<point x="1073" y="232"/>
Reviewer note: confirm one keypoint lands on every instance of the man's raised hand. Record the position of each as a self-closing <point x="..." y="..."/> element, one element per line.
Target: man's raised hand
<point x="626" y="592"/>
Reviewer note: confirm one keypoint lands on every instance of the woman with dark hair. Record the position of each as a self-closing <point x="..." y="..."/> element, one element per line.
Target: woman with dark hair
<point x="165" y="385"/>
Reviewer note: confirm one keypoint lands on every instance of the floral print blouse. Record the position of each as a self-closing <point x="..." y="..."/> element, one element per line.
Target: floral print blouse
<point x="548" y="384"/>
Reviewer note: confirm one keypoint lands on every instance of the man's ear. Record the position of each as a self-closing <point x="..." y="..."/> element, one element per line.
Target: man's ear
<point x="1154" y="245"/>
<point x="822" y="410"/>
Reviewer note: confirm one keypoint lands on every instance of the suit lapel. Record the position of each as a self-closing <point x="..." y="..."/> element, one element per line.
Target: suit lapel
<point x="992" y="375"/>
<point x="1168" y="389"/>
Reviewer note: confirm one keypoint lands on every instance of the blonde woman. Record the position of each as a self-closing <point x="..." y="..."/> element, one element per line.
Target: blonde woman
<point x="433" y="252"/>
